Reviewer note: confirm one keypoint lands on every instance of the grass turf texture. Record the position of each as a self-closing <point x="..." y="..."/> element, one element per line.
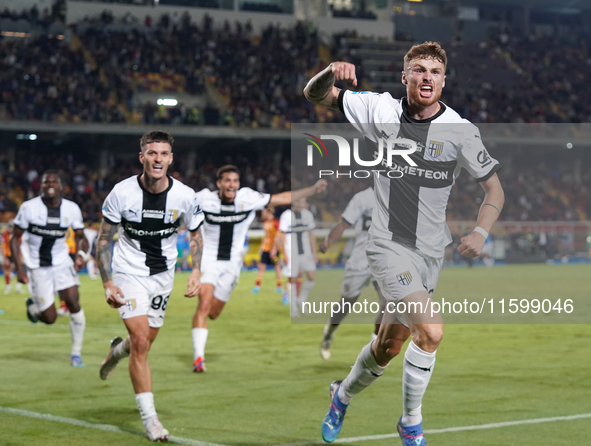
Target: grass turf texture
<point x="267" y="385"/>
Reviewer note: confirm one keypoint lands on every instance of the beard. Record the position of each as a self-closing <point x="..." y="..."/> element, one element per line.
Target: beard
<point x="415" y="97"/>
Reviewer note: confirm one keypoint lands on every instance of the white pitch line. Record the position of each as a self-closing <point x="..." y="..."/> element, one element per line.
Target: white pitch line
<point x="450" y="429"/>
<point x="101" y="427"/>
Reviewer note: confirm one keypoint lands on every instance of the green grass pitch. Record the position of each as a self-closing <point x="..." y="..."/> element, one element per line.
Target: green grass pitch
<point x="267" y="385"/>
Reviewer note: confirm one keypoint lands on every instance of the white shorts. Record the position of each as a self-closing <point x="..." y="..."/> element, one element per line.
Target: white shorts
<point x="354" y="281"/>
<point x="145" y="295"/>
<point x="223" y="275"/>
<point x="48" y="280"/>
<point x="297" y="264"/>
<point x="401" y="271"/>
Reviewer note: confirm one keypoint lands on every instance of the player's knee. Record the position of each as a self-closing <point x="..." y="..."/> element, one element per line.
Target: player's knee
<point x="431" y="334"/>
<point x="48" y="319"/>
<point x="140" y="343"/>
<point x="214" y="313"/>
<point x="204" y="308"/>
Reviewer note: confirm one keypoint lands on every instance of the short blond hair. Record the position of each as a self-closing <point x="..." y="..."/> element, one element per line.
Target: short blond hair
<point x="426" y="50"/>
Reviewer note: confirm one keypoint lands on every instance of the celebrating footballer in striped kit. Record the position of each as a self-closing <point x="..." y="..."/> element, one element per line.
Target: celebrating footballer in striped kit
<point x="408" y="233"/>
<point x="43" y="222"/>
<point x="146" y="212"/>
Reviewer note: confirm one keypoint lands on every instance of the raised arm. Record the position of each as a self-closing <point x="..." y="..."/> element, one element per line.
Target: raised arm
<point x="321" y="90"/>
<point x="104" y="254"/>
<point x="15" y="250"/>
<point x="472" y="244"/>
<point x="196" y="250"/>
<point x="285" y="198"/>
<point x="334" y="234"/>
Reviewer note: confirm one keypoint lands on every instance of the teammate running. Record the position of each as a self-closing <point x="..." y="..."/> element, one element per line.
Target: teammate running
<point x="43" y="222"/>
<point x="408" y="233"/>
<point x="268" y="249"/>
<point x="146" y="212"/>
<point x="298" y="221"/>
<point x="357" y="274"/>
<point x="228" y="212"/>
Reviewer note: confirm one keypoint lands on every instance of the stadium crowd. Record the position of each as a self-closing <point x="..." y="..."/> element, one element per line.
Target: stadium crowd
<point x="259" y="79"/>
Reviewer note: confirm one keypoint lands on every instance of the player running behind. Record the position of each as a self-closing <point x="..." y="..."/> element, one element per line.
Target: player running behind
<point x="297" y="242"/>
<point x="408" y="234"/>
<point x="146" y="212"/>
<point x="43" y="222"/>
<point x="268" y="249"/>
<point x="357" y="274"/>
<point x="228" y="213"/>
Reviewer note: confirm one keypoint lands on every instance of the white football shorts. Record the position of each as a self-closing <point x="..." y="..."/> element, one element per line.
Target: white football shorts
<point x="297" y="264"/>
<point x="223" y="275"/>
<point x="46" y="281"/>
<point x="145" y="295"/>
<point x="401" y="271"/>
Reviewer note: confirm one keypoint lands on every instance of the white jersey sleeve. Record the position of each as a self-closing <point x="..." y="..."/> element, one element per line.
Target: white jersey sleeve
<point x="285" y="221"/>
<point x="111" y="207"/>
<point x="22" y="218"/>
<point x="251" y="200"/>
<point x="358" y="106"/>
<point x="354" y="210"/>
<point x="78" y="221"/>
<point x="473" y="156"/>
<point x="193" y="219"/>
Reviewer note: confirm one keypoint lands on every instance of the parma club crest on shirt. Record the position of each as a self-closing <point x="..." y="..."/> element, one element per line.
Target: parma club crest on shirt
<point x="435" y="148"/>
<point x="405" y="278"/>
<point x="130" y="304"/>
<point x="172" y="215"/>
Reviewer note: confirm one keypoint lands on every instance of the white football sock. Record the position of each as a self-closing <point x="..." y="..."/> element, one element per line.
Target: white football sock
<point x="145" y="403"/>
<point x="77" y="325"/>
<point x="416" y="373"/>
<point x="18" y="287"/>
<point x="121" y="351"/>
<point x="365" y="371"/>
<point x="305" y="291"/>
<point x="199" y="340"/>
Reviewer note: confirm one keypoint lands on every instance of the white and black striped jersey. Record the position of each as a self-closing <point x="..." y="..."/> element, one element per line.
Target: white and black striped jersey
<point x="149" y="224"/>
<point x="44" y="239"/>
<point x="410" y="210"/>
<point x="358" y="214"/>
<point x="226" y="224"/>
<point x="296" y="226"/>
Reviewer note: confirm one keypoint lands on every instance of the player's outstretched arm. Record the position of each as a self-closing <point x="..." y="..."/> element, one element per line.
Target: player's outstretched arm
<point x="285" y="198"/>
<point x="81" y="249"/>
<point x="15" y="249"/>
<point x="196" y="250"/>
<point x="472" y="244"/>
<point x="334" y="234"/>
<point x="104" y="254"/>
<point x="321" y="90"/>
